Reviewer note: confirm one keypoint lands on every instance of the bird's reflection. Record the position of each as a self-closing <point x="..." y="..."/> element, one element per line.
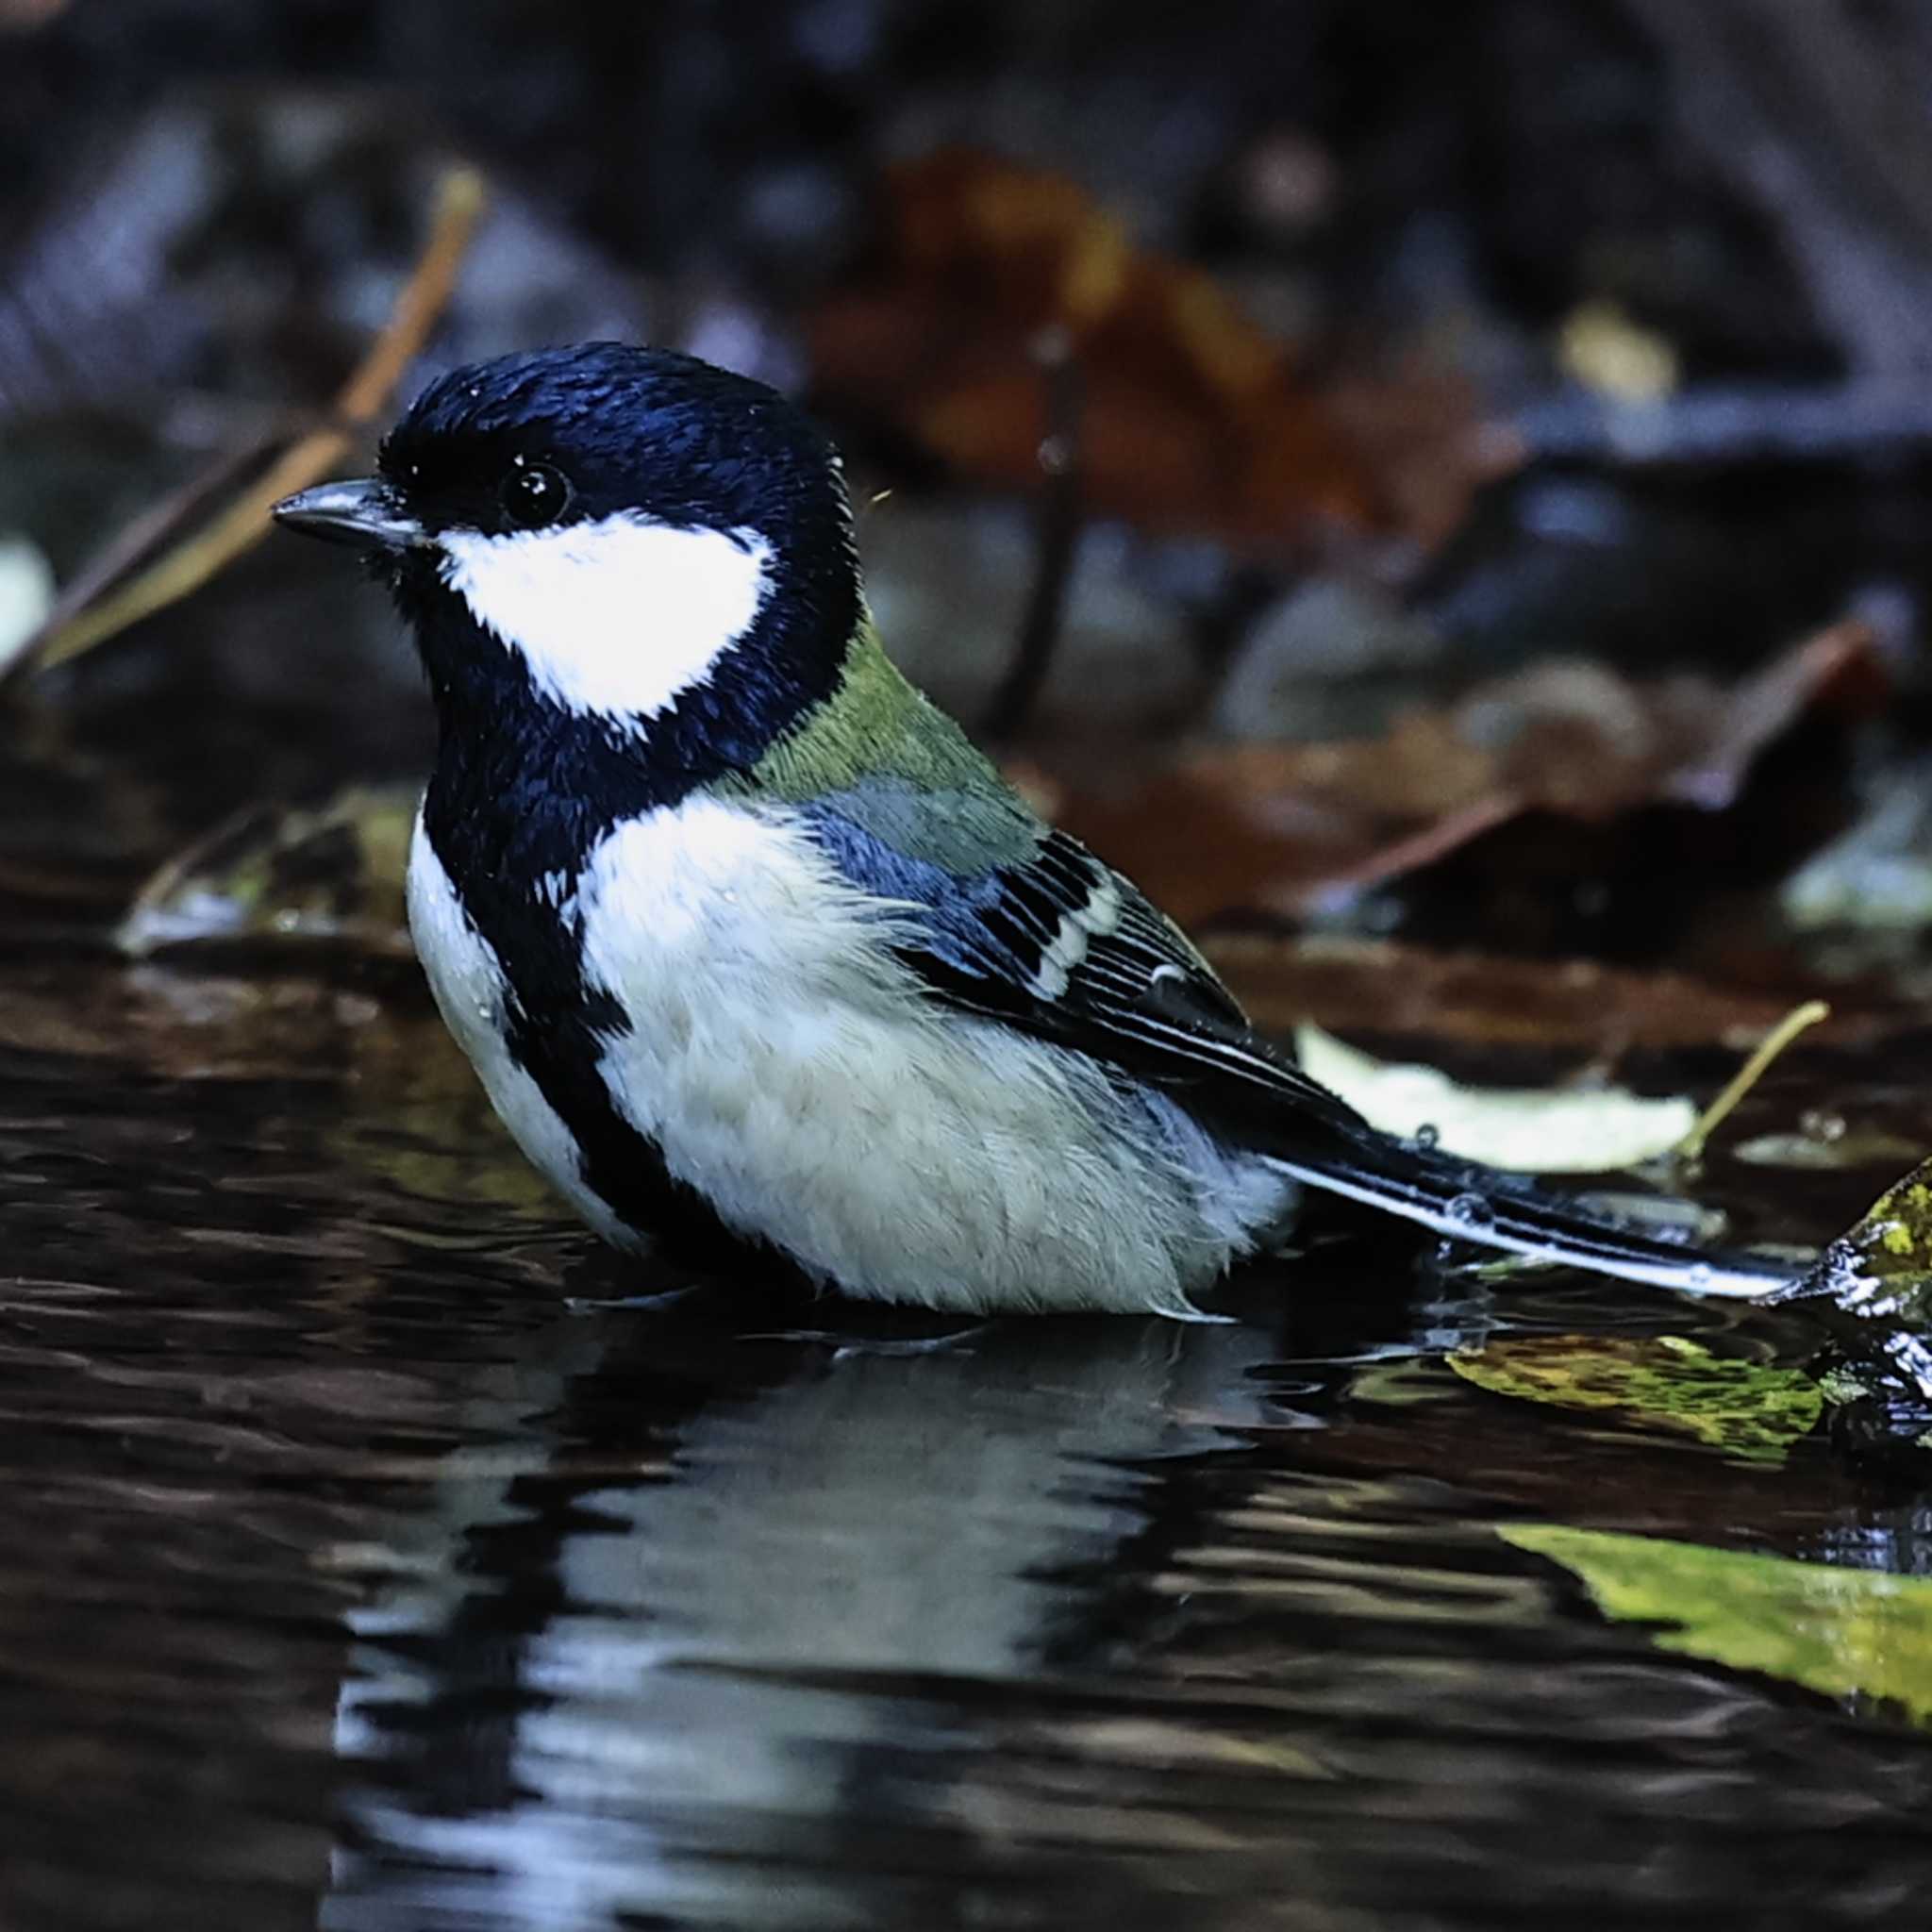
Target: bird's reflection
<point x="688" y="1580"/>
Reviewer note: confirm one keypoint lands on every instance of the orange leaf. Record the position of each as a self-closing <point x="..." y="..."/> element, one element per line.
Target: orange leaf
<point x="1192" y="416"/>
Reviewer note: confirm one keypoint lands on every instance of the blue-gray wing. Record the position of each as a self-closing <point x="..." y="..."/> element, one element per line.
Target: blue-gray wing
<point x="1055" y="943"/>
<point x="1060" y="945"/>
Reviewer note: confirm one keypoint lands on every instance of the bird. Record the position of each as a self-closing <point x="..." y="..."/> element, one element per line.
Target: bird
<point x="755" y="953"/>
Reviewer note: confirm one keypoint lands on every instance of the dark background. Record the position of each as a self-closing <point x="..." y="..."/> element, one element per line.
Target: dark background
<point x="1453" y="482"/>
<point x="1594" y="335"/>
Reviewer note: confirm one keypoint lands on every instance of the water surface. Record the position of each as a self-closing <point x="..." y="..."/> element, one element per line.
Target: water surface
<point x="359" y="1568"/>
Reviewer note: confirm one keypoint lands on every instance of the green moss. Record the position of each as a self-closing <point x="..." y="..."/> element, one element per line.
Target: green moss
<point x="1752" y="1411"/>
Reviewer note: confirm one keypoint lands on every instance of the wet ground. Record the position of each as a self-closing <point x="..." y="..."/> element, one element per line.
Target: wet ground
<point x="359" y="1569"/>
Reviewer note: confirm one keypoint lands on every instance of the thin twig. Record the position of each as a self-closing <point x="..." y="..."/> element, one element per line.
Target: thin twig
<point x="1059" y="533"/>
<point x="1449" y="832"/>
<point x="1797" y="1021"/>
<point x="143" y="534"/>
<point x="245" y="520"/>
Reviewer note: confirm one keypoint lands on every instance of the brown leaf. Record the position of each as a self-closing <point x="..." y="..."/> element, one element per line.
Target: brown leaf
<point x="1286" y="828"/>
<point x="1191" y="415"/>
<point x="1838" y="666"/>
<point x="1481" y="999"/>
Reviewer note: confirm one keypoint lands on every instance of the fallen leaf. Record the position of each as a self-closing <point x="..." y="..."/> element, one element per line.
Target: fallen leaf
<point x="1484" y="999"/>
<point x="1295" y="829"/>
<point x="1841" y="665"/>
<point x="1525" y="1129"/>
<point x="1602" y="347"/>
<point x="1872" y="1292"/>
<point x="1191" y="416"/>
<point x="26" y="595"/>
<point x="1882" y="1267"/>
<point x="1853" y="1634"/>
<point x="1826" y="1153"/>
<point x="332" y="871"/>
<point x="1752" y="1411"/>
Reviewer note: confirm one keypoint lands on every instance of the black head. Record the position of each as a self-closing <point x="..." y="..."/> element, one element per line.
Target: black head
<point x="622" y="536"/>
<point x="570" y="436"/>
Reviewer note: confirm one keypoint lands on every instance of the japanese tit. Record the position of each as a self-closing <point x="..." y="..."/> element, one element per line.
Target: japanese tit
<point x="747" y="940"/>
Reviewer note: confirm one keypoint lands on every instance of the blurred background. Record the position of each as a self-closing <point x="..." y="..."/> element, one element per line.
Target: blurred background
<point x="1440" y="492"/>
<point x="1520" y="380"/>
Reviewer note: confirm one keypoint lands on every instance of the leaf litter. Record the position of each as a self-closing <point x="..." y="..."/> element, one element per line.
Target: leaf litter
<point x="1296" y="830"/>
<point x="330" y="872"/>
<point x="1193" y="416"/>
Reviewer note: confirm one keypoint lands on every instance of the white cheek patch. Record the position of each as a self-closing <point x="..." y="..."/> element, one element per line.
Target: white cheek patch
<point x="615" y="617"/>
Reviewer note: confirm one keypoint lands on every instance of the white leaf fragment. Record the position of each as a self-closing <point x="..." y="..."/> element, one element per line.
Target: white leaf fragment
<point x="27" y="594"/>
<point x="1525" y="1129"/>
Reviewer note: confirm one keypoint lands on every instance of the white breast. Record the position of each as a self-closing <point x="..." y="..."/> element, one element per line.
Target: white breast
<point x="785" y="1063"/>
<point x="470" y="988"/>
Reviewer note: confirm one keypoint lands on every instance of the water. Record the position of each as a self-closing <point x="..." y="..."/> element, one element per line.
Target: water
<point x="352" y="1579"/>
<point x="360" y="1570"/>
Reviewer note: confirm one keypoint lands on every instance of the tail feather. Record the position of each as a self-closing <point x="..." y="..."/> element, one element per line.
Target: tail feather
<point x="1478" y="1206"/>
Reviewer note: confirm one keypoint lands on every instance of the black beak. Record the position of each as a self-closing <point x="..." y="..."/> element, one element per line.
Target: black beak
<point x="362" y="512"/>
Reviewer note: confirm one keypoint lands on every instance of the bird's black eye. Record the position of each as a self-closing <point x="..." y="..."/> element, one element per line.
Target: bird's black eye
<point x="534" y="494"/>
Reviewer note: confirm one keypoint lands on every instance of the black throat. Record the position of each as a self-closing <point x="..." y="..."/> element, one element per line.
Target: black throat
<point x="523" y="793"/>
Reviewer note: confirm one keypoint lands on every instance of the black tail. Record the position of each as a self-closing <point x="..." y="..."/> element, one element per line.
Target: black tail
<point x="1468" y="1203"/>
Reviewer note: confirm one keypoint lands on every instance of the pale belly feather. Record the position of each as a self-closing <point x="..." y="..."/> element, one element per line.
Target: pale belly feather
<point x="788" y="1069"/>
